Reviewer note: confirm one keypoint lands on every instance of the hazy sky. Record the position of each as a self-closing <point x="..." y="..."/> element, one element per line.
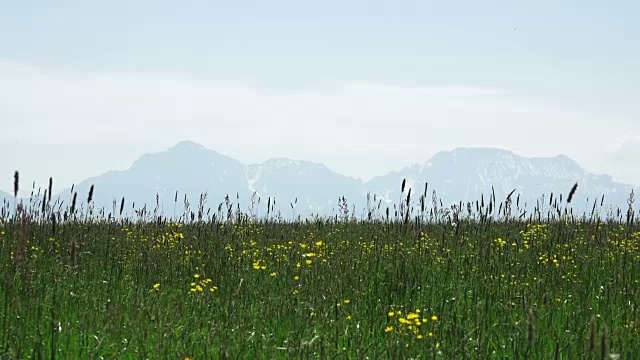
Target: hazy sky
<point x="361" y="86"/>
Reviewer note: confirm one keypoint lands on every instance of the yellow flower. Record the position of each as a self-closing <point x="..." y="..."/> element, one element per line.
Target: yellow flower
<point x="197" y="276"/>
<point x="391" y="314"/>
<point x="412" y="316"/>
<point x="156" y="286"/>
<point x="308" y="262"/>
<point x="347" y="301"/>
<point x="388" y="329"/>
<point x="434" y="318"/>
<point x="296" y="278"/>
<point x="273" y="274"/>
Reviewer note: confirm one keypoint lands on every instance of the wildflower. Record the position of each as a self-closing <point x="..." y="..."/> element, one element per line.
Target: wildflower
<point x="273" y="274"/>
<point x="391" y="314"/>
<point x="388" y="329"/>
<point x="156" y="286"/>
<point x="412" y="316"/>
<point x="434" y="318"/>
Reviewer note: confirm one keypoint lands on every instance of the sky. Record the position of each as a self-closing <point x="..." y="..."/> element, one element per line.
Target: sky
<point x="364" y="87"/>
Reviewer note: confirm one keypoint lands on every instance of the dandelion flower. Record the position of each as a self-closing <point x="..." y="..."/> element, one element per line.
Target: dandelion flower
<point x="412" y="316"/>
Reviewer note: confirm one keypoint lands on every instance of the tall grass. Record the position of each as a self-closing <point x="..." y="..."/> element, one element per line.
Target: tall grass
<point x="456" y="283"/>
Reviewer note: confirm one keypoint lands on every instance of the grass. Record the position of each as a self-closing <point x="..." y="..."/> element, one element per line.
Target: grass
<point x="521" y="288"/>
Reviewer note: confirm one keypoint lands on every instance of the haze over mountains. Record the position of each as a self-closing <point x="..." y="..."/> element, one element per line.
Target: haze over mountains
<point x="305" y="188"/>
<point x="5" y="196"/>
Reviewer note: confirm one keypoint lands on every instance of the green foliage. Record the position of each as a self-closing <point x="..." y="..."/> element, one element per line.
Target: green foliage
<point x="318" y="290"/>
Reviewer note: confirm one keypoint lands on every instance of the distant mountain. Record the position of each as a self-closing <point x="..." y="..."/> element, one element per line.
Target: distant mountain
<point x="187" y="168"/>
<point x="303" y="188"/>
<point x="465" y="174"/>
<point x="5" y="197"/>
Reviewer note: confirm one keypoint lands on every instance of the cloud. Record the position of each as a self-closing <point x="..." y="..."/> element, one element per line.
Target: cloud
<point x="359" y="129"/>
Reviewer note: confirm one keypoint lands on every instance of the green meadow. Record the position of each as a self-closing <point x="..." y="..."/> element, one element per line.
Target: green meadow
<point x="89" y="286"/>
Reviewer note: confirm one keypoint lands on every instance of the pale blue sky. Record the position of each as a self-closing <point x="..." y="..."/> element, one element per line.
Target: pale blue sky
<point x="557" y="46"/>
<point x="578" y="57"/>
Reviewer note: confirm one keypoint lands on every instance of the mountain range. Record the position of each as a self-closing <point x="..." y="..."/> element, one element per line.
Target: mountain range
<point x="301" y="188"/>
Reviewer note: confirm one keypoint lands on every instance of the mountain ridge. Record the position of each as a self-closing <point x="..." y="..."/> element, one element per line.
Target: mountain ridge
<point x="183" y="172"/>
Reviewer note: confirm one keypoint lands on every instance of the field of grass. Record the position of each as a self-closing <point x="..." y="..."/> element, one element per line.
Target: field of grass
<point x="334" y="288"/>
